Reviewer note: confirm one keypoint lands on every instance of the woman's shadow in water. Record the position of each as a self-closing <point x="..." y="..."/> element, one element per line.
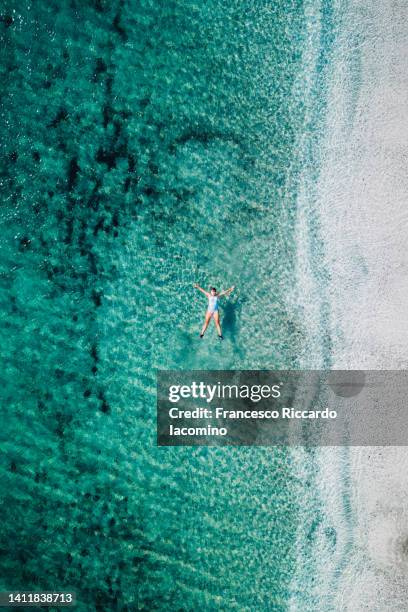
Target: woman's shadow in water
<point x="230" y="314"/>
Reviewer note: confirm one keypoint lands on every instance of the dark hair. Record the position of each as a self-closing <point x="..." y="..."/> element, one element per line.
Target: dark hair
<point x="213" y="289"/>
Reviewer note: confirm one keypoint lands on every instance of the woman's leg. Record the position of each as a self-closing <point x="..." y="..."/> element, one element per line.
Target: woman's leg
<point x="217" y="322"/>
<point x="208" y="316"/>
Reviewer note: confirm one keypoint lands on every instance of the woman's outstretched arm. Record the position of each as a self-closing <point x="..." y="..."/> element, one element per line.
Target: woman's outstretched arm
<point x="201" y="289"/>
<point x="227" y="291"/>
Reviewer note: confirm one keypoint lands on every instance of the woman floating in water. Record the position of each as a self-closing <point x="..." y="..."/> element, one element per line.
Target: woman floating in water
<point x="213" y="307"/>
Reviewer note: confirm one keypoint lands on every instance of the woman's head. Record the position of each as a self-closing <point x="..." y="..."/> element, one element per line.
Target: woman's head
<point x="213" y="290"/>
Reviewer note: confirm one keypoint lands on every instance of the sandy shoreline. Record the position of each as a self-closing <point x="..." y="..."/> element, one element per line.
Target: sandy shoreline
<point x="363" y="190"/>
<point x="362" y="204"/>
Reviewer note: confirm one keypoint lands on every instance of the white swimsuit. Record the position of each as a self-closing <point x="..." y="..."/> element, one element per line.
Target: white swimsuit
<point x="213" y="303"/>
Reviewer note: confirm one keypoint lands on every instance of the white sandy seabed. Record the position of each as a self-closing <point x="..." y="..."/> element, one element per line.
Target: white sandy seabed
<point x="361" y="202"/>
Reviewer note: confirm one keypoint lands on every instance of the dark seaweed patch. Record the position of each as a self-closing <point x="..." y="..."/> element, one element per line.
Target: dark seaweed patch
<point x="92" y="263"/>
<point x="104" y="407"/>
<point x="70" y="230"/>
<point x="94" y="353"/>
<point x="99" y="226"/>
<point x="150" y="191"/>
<point x="154" y="169"/>
<point x="7" y="20"/>
<point x="62" y="115"/>
<point x="73" y="170"/>
<point x="131" y="163"/>
<point x="119" y="28"/>
<point x="117" y="130"/>
<point x="144" y="102"/>
<point x="97" y="298"/>
<point x="95" y="358"/>
<point x="98" y="6"/>
<point x="106" y="157"/>
<point x="107" y="115"/>
<point x="100" y="68"/>
<point x="24" y="243"/>
<point x="109" y="84"/>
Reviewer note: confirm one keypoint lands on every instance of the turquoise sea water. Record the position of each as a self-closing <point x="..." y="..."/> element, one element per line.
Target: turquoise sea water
<point x="145" y="146"/>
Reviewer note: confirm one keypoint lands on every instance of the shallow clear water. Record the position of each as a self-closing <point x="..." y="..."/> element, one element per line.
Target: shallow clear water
<point x="146" y="146"/>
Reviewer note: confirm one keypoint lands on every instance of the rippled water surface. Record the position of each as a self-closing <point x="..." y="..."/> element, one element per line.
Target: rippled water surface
<point x="145" y="146"/>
